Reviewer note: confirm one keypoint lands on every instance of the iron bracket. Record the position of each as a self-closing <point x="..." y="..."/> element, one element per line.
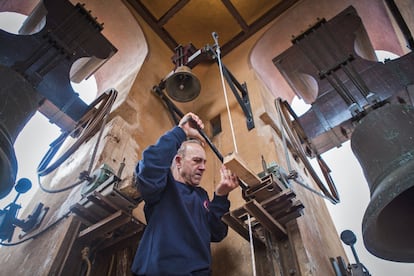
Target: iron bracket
<point x="242" y="99"/>
<point x="239" y="90"/>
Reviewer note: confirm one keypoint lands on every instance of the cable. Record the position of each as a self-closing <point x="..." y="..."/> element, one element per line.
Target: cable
<point x="91" y="120"/>
<point x="46" y="190"/>
<point x="283" y="133"/>
<point x="38" y="233"/>
<point x="87" y="124"/>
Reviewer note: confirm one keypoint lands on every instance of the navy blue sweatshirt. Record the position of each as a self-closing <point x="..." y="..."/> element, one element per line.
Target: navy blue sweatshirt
<point x="181" y="221"/>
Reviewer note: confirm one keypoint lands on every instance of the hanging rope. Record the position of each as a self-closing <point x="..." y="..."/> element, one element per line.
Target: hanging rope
<point x="218" y="51"/>
<point x="215" y="37"/>
<point x="85" y="258"/>
<point x="251" y="244"/>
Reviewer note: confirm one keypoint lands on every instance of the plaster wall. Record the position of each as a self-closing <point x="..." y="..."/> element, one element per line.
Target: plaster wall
<point x="140" y="118"/>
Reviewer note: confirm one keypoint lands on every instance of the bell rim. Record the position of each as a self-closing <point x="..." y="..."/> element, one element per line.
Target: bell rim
<point x="380" y="199"/>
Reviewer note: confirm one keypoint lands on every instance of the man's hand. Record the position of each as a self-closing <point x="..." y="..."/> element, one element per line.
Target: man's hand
<point x="228" y="183"/>
<point x="191" y="123"/>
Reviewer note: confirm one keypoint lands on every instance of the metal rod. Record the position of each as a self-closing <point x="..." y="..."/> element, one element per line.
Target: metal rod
<point x="355" y="254"/>
<point x="174" y="110"/>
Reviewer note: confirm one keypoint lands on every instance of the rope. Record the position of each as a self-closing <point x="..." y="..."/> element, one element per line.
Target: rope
<point x="85" y="257"/>
<point x="215" y="36"/>
<point x="251" y="244"/>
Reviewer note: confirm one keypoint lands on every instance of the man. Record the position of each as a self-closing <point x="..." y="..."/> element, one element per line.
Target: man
<point x="181" y="221"/>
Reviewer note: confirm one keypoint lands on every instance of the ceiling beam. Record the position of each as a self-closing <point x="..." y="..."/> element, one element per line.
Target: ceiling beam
<point x="171" y="12"/>
<point x="247" y="30"/>
<point x="257" y="25"/>
<point x="153" y="23"/>
<point x="233" y="11"/>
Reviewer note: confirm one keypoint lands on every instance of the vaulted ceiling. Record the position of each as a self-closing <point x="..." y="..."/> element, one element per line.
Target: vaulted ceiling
<point x="175" y="21"/>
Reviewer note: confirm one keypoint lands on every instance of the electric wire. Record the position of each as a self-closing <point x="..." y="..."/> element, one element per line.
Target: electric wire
<point x="50" y="191"/>
<point x="283" y="134"/>
<point x="289" y="165"/>
<point x="38" y="233"/>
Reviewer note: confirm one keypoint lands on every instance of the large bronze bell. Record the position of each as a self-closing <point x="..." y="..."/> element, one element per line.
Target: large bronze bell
<point x="19" y="102"/>
<point x="182" y="85"/>
<point x="383" y="142"/>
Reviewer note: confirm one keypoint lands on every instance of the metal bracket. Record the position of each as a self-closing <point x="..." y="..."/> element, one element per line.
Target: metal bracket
<point x="239" y="90"/>
<point x="242" y="99"/>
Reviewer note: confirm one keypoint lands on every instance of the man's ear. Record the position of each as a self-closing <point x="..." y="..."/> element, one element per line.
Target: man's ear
<point x="178" y="159"/>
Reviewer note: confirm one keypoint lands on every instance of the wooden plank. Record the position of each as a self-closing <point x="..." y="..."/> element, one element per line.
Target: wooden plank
<point x="273" y="200"/>
<point x="84" y="213"/>
<point x="266" y="220"/>
<point x="236" y="225"/>
<point x="65" y="244"/>
<point x="234" y="162"/>
<point x="240" y="227"/>
<point x="103" y="202"/>
<point x="105" y="226"/>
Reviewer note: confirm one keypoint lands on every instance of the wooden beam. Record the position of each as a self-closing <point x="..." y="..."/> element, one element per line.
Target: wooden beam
<point x="236" y="225"/>
<point x="237" y="165"/>
<point x="240" y="227"/>
<point x="105" y="226"/>
<point x="265" y="219"/>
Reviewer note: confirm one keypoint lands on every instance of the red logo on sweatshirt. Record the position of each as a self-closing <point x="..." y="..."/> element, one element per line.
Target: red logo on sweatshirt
<point x="205" y="204"/>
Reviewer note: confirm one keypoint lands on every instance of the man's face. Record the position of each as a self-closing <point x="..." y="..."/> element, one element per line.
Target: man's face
<point x="193" y="164"/>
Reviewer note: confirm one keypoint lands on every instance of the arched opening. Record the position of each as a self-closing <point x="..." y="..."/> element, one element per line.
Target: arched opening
<point x="33" y="141"/>
<point x="119" y="73"/>
<point x="384" y="56"/>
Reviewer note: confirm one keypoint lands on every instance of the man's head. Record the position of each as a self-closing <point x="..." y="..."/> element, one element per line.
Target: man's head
<point x="189" y="163"/>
